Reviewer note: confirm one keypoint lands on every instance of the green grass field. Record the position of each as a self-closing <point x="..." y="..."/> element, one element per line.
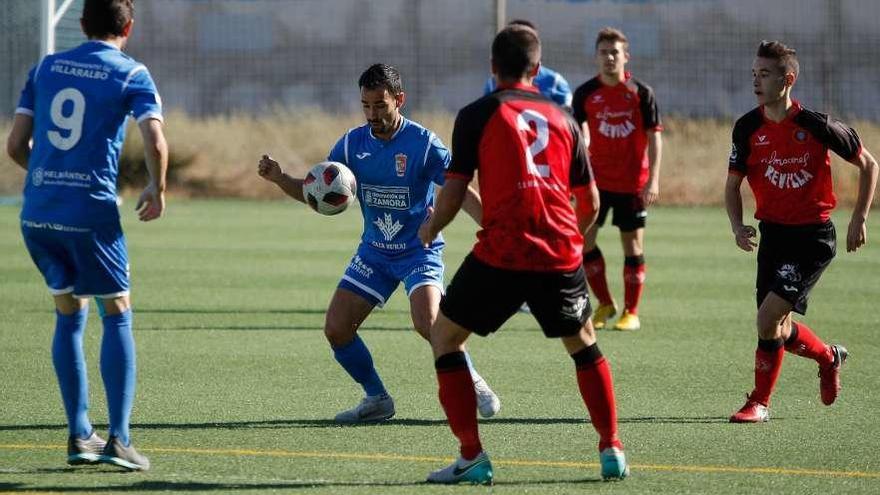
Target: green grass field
<point x="237" y="386"/>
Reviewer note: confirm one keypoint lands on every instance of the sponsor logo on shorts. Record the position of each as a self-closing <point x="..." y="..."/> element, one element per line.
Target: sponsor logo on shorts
<point x="790" y="272"/>
<point x="359" y="267"/>
<point x="53" y="226"/>
<point x="576" y="310"/>
<point x="389" y="197"/>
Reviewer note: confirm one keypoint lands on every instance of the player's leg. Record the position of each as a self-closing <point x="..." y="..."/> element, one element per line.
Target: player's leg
<point x="594" y="266"/>
<point x="561" y="305"/>
<point x="365" y="284"/>
<point x="480" y="298"/>
<point x="423" y="281"/>
<point x="630" y="218"/>
<point x="817" y="248"/>
<point x="51" y="253"/>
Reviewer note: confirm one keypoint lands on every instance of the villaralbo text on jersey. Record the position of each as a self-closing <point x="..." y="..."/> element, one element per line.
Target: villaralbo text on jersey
<point x="787" y="180"/>
<point x="79" y="69"/>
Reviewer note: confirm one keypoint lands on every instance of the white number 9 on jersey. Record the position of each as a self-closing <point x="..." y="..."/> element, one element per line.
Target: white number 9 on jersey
<point x="542" y="139"/>
<point x="71" y="123"/>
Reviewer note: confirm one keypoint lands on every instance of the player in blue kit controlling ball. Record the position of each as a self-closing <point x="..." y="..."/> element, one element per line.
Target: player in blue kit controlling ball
<point x="398" y="165"/>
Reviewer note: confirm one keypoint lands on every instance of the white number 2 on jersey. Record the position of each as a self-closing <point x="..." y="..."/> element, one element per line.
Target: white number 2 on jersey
<point x="71" y="123"/>
<point x="542" y="138"/>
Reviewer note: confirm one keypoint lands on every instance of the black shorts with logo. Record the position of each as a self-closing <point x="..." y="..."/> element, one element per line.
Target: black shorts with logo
<point x="791" y="258"/>
<point x="481" y="298"/>
<point x="629" y="210"/>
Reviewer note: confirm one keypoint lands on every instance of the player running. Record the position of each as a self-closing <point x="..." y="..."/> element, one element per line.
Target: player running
<point x="783" y="150"/>
<point x="74" y="107"/>
<point x="397" y="163"/>
<point x="622" y="123"/>
<point x="531" y="159"/>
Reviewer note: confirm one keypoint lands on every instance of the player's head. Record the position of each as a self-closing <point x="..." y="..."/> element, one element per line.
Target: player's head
<point x="523" y="22"/>
<point x="105" y="19"/>
<point x="612" y="52"/>
<point x="516" y="53"/>
<point x="774" y="71"/>
<point x="382" y="98"/>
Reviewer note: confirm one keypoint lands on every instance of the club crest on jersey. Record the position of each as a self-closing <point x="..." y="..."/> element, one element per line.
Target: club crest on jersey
<point x="800" y="136"/>
<point x="37" y="177"/>
<point x="400" y="164"/>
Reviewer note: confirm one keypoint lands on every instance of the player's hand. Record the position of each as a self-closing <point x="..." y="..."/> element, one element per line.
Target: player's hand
<point x="856" y="235"/>
<point x="151" y="204"/>
<point x="650" y="194"/>
<point x="269" y="169"/>
<point x="744" y="235"/>
<point x="426" y="234"/>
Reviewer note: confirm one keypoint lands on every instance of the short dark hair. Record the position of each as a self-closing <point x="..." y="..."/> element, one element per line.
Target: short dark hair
<point x="523" y="22"/>
<point x="106" y="18"/>
<point x="611" y="34"/>
<point x="516" y="51"/>
<point x="382" y="76"/>
<point x="785" y="56"/>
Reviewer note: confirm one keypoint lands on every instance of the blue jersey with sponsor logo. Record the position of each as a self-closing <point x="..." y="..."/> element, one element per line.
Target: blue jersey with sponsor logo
<point x="395" y="182"/>
<point x="80" y="100"/>
<point x="549" y="82"/>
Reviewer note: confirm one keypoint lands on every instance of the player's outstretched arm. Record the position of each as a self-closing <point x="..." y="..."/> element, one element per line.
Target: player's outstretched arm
<point x="18" y="144"/>
<point x="586" y="206"/>
<point x="270" y="170"/>
<point x="651" y="192"/>
<point x="151" y="204"/>
<point x="473" y="204"/>
<point x="448" y="203"/>
<point x="857" y="233"/>
<point x="743" y="234"/>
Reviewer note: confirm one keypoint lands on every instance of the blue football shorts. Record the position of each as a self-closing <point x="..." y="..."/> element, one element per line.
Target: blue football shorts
<point x="374" y="275"/>
<point x="87" y="262"/>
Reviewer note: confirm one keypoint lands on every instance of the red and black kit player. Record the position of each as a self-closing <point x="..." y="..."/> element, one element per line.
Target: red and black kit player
<point x="783" y="150"/>
<point x="620" y="118"/>
<point x="532" y="160"/>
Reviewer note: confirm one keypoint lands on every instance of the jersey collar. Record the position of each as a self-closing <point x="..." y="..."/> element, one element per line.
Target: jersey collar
<point x="518" y="85"/>
<point x="403" y="123"/>
<point x="792" y="112"/>
<point x="102" y="43"/>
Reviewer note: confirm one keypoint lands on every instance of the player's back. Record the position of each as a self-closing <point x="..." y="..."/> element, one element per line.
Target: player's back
<point x="79" y="100"/>
<point x="530" y="154"/>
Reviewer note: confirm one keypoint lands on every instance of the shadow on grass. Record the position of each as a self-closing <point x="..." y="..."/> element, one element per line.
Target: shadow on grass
<point x="192" y="486"/>
<point x="329" y="423"/>
<point x="249" y="311"/>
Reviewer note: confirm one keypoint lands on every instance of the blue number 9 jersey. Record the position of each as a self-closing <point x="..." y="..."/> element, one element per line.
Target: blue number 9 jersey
<point x="80" y="100"/>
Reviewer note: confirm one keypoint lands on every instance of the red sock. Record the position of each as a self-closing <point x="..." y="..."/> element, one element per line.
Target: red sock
<point x="594" y="268"/>
<point x="804" y="342"/>
<point x="633" y="282"/>
<point x="459" y="401"/>
<point x="768" y="364"/>
<point x="597" y="390"/>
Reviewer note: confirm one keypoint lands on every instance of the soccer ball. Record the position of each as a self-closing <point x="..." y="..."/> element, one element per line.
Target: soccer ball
<point x="329" y="188"/>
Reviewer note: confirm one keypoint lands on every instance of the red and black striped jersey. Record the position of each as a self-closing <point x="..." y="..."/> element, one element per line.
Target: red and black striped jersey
<point x="530" y="155"/>
<point x="788" y="164"/>
<point x="619" y="118"/>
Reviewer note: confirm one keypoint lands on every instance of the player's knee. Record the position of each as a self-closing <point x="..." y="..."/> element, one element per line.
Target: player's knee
<point x="337" y="332"/>
<point x="769" y="325"/>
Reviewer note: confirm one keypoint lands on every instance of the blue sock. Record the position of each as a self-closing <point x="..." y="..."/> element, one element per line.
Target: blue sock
<point x="70" y="368"/>
<point x="470" y="364"/>
<point x="357" y="361"/>
<point x="118" y="371"/>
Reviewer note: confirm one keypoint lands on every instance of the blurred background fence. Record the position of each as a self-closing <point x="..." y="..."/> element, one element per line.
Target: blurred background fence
<point x="214" y="57"/>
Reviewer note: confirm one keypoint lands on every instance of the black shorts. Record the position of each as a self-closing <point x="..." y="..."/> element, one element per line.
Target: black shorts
<point x="791" y="258"/>
<point x="629" y="210"/>
<point x="481" y="298"/>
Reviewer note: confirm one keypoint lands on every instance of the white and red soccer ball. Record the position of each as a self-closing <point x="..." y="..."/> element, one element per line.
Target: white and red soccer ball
<point x="329" y="188"/>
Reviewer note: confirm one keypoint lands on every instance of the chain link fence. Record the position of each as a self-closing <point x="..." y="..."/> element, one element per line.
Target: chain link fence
<point x="229" y="56"/>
